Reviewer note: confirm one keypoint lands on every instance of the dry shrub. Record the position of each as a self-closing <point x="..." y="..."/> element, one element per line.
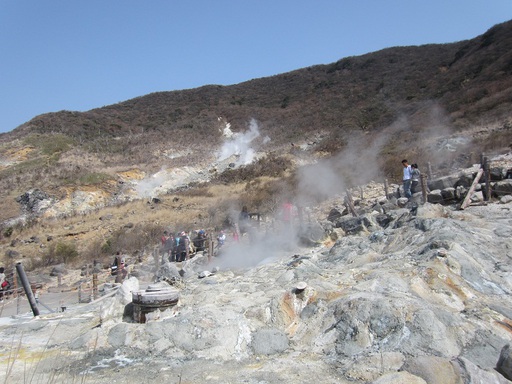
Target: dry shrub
<point x="134" y="240"/>
<point x="498" y="140"/>
<point x="265" y="194"/>
<point x="271" y="166"/>
<point x="59" y="252"/>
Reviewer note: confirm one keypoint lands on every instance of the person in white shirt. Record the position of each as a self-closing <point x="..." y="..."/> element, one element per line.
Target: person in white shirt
<point x="407" y="179"/>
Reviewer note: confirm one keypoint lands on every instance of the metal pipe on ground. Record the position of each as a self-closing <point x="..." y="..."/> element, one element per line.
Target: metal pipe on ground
<point x="27" y="288"/>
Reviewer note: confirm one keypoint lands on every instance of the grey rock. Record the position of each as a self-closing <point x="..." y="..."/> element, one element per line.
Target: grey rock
<point x="12" y="254"/>
<point x="504" y="364"/>
<point x="433" y="369"/>
<point x="383" y="220"/>
<point x="443" y="182"/>
<point x="399" y="378"/>
<point x="353" y="225"/>
<point x="448" y="194"/>
<point x="474" y="374"/>
<point x="269" y="341"/>
<point x="435" y="196"/>
<point x="497" y="173"/>
<point x="506" y="199"/>
<point x="59" y="270"/>
<point x="33" y="201"/>
<point x="334" y="215"/>
<point x="503" y="187"/>
<point x="364" y="322"/>
<point x="169" y="273"/>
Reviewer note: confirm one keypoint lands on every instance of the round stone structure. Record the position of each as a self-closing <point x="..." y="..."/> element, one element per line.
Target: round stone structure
<point x="152" y="298"/>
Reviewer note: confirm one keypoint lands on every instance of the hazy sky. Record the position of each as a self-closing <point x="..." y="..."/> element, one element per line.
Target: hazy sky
<point x="78" y="55"/>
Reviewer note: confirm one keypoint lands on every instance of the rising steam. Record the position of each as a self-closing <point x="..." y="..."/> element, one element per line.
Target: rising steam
<point x="240" y="144"/>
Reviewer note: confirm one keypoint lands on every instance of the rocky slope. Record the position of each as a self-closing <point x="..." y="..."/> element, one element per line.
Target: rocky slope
<point x="423" y="297"/>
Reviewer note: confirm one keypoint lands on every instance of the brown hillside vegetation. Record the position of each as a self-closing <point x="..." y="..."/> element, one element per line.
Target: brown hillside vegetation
<point x="369" y="110"/>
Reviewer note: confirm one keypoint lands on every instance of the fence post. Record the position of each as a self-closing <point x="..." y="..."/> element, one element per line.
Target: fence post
<point x="423" y="187"/>
<point x="95" y="286"/>
<point x="487" y="172"/>
<point x="15" y="282"/>
<point x="350" y="204"/>
<point x="210" y="247"/>
<point x="386" y="188"/>
<point x="429" y="170"/>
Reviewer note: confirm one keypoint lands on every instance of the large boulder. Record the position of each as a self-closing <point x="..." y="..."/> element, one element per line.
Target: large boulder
<point x="503" y="187"/>
<point x="435" y="196"/>
<point x="432" y="369"/>
<point x="504" y="365"/>
<point x="443" y="182"/>
<point x="169" y="273"/>
<point x="353" y="225"/>
<point x="449" y="194"/>
<point x="34" y="201"/>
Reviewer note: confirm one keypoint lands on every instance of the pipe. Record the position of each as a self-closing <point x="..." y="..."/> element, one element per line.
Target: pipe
<point x="27" y="288"/>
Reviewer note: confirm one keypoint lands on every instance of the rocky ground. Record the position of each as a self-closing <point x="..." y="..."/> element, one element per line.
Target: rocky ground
<point x="422" y="296"/>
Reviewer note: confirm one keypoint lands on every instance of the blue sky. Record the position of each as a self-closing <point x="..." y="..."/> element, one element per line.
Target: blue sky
<point x="79" y="55"/>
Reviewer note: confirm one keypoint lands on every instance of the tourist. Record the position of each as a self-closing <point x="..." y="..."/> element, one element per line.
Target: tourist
<point x="407" y="179"/>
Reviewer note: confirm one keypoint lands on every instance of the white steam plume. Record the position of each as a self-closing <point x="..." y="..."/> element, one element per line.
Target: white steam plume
<point x="240" y="144"/>
<point x="145" y="188"/>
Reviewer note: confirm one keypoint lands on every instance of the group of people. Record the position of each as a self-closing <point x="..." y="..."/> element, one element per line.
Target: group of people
<point x="411" y="178"/>
<point x="179" y="247"/>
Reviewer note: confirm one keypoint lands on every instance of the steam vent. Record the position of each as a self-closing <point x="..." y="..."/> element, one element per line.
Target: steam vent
<point x="155" y="297"/>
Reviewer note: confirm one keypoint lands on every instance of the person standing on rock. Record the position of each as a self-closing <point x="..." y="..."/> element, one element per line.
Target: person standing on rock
<point x="415" y="178"/>
<point x="221" y="239"/>
<point x="183" y="247"/>
<point x="118" y="268"/>
<point x="169" y="251"/>
<point x="407" y="178"/>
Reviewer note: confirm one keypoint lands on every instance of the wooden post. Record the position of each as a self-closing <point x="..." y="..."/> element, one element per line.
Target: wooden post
<point x="59" y="280"/>
<point x="119" y="271"/>
<point x="386" y="188"/>
<point x="429" y="170"/>
<point x="210" y="250"/>
<point x="472" y="189"/>
<point x="350" y="204"/>
<point x="487" y="173"/>
<point x="361" y="192"/>
<point x="423" y="180"/>
<point x="15" y="282"/>
<point x="80" y="293"/>
<point x="95" y="286"/>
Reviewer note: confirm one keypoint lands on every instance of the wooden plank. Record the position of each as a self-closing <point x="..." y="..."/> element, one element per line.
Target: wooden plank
<point x="472" y="189"/>
<point x="350" y="204"/>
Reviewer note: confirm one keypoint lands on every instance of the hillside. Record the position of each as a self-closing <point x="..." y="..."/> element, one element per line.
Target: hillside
<point x="438" y="104"/>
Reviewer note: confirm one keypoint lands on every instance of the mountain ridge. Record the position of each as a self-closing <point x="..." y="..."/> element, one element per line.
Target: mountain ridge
<point x="442" y="104"/>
